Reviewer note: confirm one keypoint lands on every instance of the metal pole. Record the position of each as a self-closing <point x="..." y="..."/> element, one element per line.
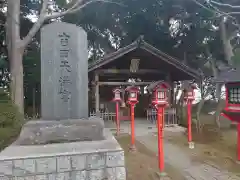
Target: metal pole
<point x="133" y="147"/>
<point x="189" y="114"/>
<point x="160" y="139"/>
<point x="117" y="118"/>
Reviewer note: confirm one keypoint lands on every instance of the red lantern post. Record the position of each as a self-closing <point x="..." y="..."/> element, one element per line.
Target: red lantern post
<point x="117" y="99"/>
<point x="132" y="101"/>
<point x="159" y="101"/>
<point x="189" y="97"/>
<point x="231" y="79"/>
<point x="232" y="109"/>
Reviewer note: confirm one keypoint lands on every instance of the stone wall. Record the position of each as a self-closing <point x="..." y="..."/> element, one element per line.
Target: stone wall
<point x="95" y="160"/>
<point x="93" y="166"/>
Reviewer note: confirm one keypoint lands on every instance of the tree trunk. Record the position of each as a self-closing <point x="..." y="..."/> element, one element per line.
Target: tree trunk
<point x="199" y="109"/>
<point x="34" y="102"/>
<point x="16" y="70"/>
<point x="15" y="53"/>
<point x="226" y="40"/>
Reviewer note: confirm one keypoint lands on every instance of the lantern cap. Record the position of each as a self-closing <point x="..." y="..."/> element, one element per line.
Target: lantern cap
<point x="132" y="88"/>
<point x="158" y="84"/>
<point x="188" y="86"/>
<point x="230" y="75"/>
<point x="118" y="89"/>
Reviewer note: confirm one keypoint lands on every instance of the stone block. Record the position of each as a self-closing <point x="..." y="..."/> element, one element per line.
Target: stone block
<point x="79" y="175"/>
<point x="45" y="132"/>
<point x="40" y="177"/>
<point x="79" y="162"/>
<point x="97" y="174"/>
<point x="116" y="173"/>
<point x="115" y="159"/>
<point x="63" y="163"/>
<point x="28" y="164"/>
<point x="96" y="160"/>
<point x="59" y="176"/>
<point x="46" y="165"/>
<point x="6" y="168"/>
<point x="120" y="173"/>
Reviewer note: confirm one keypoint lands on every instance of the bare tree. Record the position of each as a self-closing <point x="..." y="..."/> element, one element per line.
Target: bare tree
<point x="226" y="12"/>
<point x="16" y="46"/>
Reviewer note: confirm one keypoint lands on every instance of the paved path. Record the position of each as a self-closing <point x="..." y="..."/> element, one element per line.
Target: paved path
<point x="176" y="157"/>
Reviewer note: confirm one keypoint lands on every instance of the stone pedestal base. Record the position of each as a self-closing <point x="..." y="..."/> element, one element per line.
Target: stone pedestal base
<point x="132" y="148"/>
<point x="82" y="160"/>
<point x="72" y="130"/>
<point x="191" y="145"/>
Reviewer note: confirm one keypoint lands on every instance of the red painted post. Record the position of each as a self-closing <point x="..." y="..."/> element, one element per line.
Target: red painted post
<point x="133" y="148"/>
<point x="117" y="118"/>
<point x="163" y="117"/>
<point x="238" y="144"/>
<point x="160" y="111"/>
<point x="189" y="116"/>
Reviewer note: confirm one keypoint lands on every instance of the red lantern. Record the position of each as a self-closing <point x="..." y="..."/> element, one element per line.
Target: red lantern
<point x="117" y="95"/>
<point x="233" y="97"/>
<point x="231" y="79"/>
<point x="159" y="91"/>
<point x="132" y="94"/>
<point x="189" y="93"/>
<point x="117" y="98"/>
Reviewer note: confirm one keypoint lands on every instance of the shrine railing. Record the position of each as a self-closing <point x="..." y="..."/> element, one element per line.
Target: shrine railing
<point x="170" y="117"/>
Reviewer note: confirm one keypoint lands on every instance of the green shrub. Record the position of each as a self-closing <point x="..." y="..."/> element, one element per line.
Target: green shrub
<point x="11" y="121"/>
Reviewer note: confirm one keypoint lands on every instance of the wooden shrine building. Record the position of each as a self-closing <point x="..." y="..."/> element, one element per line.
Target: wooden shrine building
<point x="139" y="61"/>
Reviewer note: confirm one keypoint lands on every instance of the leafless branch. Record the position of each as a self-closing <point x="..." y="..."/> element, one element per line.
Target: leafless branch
<point x="225" y="5"/>
<point x="205" y="7"/>
<point x="218" y="12"/>
<point x="44" y="16"/>
<point x="76" y="7"/>
<point x="234" y="34"/>
<point x="36" y="26"/>
<point x="232" y="13"/>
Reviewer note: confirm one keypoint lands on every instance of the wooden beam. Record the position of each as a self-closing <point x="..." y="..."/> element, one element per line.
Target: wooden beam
<point x="127" y="71"/>
<point x="124" y="83"/>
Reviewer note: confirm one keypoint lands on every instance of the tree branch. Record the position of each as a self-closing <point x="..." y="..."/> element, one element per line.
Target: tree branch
<point x="225" y="5"/>
<point x="43" y="17"/>
<point x="234" y="34"/>
<point x="219" y="13"/>
<point x="36" y="26"/>
<point x="76" y="7"/>
<point x="203" y="6"/>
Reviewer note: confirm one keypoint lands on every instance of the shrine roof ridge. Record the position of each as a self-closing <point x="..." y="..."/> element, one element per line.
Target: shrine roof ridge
<point x="229" y="76"/>
<point x="152" y="86"/>
<point x="141" y="44"/>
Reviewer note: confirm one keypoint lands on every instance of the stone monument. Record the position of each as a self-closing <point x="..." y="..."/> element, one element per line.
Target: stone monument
<point x="64" y="72"/>
<point x="64" y="144"/>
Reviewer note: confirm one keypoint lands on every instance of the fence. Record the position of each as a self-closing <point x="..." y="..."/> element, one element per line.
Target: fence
<point x="106" y="116"/>
<point x="170" y="117"/>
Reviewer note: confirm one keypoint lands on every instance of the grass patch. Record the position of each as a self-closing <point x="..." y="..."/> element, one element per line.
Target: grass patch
<point x="143" y="164"/>
<point x="11" y="121"/>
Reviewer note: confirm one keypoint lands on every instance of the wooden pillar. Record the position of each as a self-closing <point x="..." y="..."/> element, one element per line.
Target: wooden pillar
<point x="97" y="99"/>
<point x="171" y="91"/>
